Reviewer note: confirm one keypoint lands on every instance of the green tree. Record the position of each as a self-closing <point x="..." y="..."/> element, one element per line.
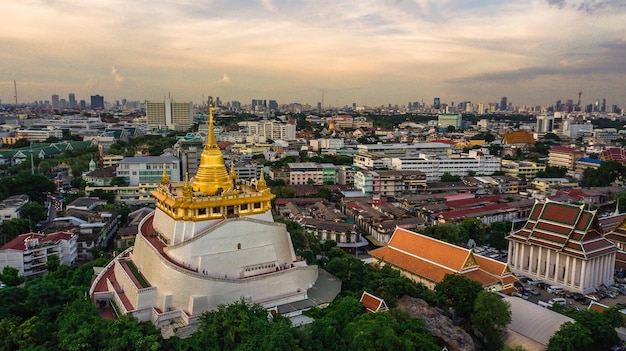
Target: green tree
<point x="33" y="211"/>
<point x="608" y="173"/>
<point x="460" y="292"/>
<point x="14" y="227"/>
<point x="78" y="183"/>
<point x="471" y="228"/>
<point x="497" y="234"/>
<point x="448" y="177"/>
<point x="53" y="263"/>
<point x="571" y="337"/>
<point x="118" y="181"/>
<point x="35" y="186"/>
<point x="552" y="172"/>
<point x="490" y="318"/>
<point x="11" y="276"/>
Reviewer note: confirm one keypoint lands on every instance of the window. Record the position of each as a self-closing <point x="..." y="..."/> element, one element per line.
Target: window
<point x="201" y="211"/>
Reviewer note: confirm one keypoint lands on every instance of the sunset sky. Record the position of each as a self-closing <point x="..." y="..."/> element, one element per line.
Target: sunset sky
<point x="368" y="52"/>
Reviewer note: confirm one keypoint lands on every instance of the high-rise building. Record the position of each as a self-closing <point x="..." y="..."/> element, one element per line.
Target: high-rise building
<point x="97" y="102"/>
<point x="437" y="103"/>
<point x="273" y="105"/>
<point x="73" y="100"/>
<point x="55" y="101"/>
<point x="503" y="104"/>
<point x="169" y="114"/>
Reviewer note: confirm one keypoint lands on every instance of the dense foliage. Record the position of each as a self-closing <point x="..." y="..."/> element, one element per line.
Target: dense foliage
<point x="591" y="330"/>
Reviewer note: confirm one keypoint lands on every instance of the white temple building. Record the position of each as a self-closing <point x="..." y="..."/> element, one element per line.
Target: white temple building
<point x="562" y="244"/>
<point x="210" y="241"/>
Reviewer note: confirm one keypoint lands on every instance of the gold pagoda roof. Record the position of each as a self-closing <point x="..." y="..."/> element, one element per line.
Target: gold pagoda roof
<point x="212" y="175"/>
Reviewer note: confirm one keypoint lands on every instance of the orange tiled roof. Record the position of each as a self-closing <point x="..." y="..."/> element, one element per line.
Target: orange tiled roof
<point x="484" y="278"/>
<point x="432" y="259"/>
<point x="372" y="303"/>
<point x="518" y="137"/>
<point x="429" y="249"/>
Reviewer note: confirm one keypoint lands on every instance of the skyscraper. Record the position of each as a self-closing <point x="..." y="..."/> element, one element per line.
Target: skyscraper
<point x="169" y="114"/>
<point x="55" y="101"/>
<point x="437" y="103"/>
<point x="503" y="104"/>
<point x="73" y="100"/>
<point x="97" y="102"/>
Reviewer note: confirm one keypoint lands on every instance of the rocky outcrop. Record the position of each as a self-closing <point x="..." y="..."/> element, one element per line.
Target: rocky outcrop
<point x="438" y="324"/>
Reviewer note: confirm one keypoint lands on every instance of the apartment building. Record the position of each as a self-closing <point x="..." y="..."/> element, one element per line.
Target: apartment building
<point x="435" y="166"/>
<point x="29" y="253"/>
<point x="563" y="156"/>
<point x="269" y="129"/>
<point x="525" y="169"/>
<point x="148" y="169"/>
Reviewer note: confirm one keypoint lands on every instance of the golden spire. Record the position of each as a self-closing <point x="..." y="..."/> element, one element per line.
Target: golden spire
<point x="233" y="173"/>
<point x="165" y="179"/>
<point x="261" y="185"/>
<point x="212" y="175"/>
<point x="187" y="191"/>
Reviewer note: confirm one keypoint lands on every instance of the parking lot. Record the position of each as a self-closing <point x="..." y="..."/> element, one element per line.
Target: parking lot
<point x="545" y="296"/>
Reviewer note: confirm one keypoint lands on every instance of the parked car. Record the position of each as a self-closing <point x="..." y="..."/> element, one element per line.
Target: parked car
<point x="609" y="293"/>
<point x="593" y="297"/>
<point x="521" y="296"/>
<point x="555" y="289"/>
<point x="534" y="281"/>
<point x="532" y="291"/>
<point x="542" y="285"/>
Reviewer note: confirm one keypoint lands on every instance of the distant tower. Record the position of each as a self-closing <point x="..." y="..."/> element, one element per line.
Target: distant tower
<point x="580" y="93"/>
<point x="503" y="103"/>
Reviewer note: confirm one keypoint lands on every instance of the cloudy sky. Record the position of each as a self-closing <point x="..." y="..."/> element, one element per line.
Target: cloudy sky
<point x="368" y="52"/>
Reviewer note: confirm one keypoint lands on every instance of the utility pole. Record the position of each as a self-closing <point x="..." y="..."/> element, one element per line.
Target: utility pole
<point x="32" y="162"/>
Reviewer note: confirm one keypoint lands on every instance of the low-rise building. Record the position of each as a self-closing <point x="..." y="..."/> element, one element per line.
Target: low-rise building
<point x="563" y="156"/>
<point x="148" y="169"/>
<point x="525" y="169"/>
<point x="305" y="173"/>
<point x="95" y="230"/>
<point x="436" y="166"/>
<point x="11" y="206"/>
<point x="29" y="253"/>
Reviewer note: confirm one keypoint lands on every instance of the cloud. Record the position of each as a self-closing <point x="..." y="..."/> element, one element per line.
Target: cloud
<point x="268" y="5"/>
<point x="118" y="78"/>
<point x="587" y="5"/>
<point x="225" y="79"/>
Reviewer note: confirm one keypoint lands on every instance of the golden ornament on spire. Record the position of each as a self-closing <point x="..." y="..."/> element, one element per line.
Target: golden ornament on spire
<point x="233" y="172"/>
<point x="187" y="191"/>
<point x="165" y="179"/>
<point x="212" y="175"/>
<point x="261" y="185"/>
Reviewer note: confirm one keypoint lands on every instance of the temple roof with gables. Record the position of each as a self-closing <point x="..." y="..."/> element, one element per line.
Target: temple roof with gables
<point x="373" y="303"/>
<point x="567" y="228"/>
<point x="432" y="259"/>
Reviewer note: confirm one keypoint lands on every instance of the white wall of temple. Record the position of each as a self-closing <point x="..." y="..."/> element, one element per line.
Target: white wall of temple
<point x="178" y="231"/>
<point x="194" y="292"/>
<point x="573" y="273"/>
<point x="233" y="245"/>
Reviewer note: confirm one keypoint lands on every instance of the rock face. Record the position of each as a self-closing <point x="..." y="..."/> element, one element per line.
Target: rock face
<point x="438" y="324"/>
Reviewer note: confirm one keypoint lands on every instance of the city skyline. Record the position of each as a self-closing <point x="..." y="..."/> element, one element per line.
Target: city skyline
<point x="368" y="52"/>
